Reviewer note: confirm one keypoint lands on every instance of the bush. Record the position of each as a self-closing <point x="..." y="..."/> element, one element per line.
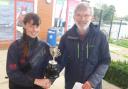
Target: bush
<point x="118" y="74"/>
<point x="121" y="42"/>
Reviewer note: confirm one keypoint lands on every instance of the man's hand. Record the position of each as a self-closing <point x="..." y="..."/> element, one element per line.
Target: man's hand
<point x="44" y="83"/>
<point x="87" y="85"/>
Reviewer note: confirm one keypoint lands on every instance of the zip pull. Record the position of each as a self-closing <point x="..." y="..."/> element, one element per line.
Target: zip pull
<point x="78" y="51"/>
<point x="87" y="50"/>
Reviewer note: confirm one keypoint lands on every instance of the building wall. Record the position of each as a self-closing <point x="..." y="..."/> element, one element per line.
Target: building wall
<point x="44" y="10"/>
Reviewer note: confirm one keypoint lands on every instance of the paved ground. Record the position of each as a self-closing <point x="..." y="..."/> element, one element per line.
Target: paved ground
<point x="59" y="83"/>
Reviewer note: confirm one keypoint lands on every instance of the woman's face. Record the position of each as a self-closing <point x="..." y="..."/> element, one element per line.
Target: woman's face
<point x="31" y="30"/>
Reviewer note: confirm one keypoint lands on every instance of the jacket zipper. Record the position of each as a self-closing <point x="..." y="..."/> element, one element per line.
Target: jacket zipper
<point x="87" y="50"/>
<point x="78" y="50"/>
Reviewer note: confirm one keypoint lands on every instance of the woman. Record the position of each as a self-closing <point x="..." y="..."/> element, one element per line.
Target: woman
<point x="28" y="57"/>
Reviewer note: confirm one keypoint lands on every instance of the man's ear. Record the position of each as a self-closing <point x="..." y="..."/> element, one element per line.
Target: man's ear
<point x="74" y="17"/>
<point x="93" y="18"/>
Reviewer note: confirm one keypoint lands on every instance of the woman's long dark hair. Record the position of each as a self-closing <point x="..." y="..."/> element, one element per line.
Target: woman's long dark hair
<point x="36" y="21"/>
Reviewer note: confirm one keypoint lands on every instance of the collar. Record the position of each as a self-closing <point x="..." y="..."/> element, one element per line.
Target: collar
<point x="30" y="41"/>
<point x="75" y="35"/>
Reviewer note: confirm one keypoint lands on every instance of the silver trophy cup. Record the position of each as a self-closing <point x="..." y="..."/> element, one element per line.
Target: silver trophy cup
<point x="52" y="71"/>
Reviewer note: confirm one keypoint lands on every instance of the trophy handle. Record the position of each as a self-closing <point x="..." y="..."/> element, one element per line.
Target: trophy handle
<point x="55" y="52"/>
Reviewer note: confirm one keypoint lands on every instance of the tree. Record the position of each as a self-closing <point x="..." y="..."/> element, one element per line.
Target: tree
<point x="108" y="12"/>
<point x="126" y="18"/>
<point x="96" y="14"/>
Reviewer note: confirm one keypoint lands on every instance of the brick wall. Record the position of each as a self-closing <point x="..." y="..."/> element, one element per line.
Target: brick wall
<point x="44" y="10"/>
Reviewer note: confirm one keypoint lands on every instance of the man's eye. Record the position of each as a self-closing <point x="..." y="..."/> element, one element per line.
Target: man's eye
<point x="86" y="15"/>
<point x="78" y="15"/>
<point x="30" y="26"/>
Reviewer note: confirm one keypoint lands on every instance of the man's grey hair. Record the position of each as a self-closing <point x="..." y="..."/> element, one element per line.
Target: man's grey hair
<point x="82" y="6"/>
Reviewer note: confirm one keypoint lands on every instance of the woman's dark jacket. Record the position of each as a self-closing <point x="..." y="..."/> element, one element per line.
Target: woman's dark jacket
<point x="23" y="70"/>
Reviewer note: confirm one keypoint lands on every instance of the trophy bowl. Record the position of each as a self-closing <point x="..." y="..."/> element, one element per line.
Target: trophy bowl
<point x="52" y="71"/>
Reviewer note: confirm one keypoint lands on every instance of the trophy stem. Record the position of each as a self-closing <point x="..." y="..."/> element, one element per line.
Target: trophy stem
<point x="52" y="62"/>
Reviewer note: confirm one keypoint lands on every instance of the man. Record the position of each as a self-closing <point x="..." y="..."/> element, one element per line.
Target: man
<point x="28" y="57"/>
<point x="84" y="51"/>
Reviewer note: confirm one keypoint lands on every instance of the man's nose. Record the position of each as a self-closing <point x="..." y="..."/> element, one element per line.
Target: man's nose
<point x="83" y="18"/>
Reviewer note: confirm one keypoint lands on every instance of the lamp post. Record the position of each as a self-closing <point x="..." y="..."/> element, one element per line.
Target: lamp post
<point x="119" y="29"/>
<point x="100" y="19"/>
<point x="111" y="26"/>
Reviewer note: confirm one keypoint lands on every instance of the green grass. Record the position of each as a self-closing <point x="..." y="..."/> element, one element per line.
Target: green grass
<point x="126" y="56"/>
<point x="122" y="42"/>
<point x="113" y="52"/>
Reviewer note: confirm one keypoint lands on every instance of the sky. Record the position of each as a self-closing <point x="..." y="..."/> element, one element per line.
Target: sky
<point x="120" y="5"/>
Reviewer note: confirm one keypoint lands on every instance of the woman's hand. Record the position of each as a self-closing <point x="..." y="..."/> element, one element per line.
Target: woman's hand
<point x="44" y="83"/>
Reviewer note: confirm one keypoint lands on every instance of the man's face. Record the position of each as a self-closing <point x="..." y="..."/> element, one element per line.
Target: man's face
<point x="32" y="30"/>
<point x="83" y="18"/>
